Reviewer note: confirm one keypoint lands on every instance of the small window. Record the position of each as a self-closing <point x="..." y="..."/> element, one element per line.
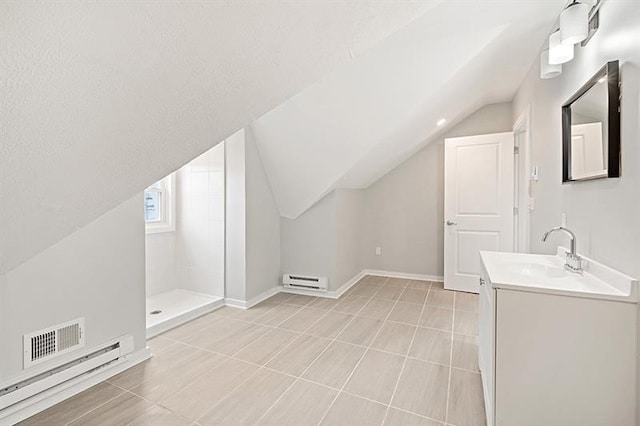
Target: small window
<point x="159" y="206"/>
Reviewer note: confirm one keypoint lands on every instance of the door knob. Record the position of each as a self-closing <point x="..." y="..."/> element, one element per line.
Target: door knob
<point x="449" y="223"/>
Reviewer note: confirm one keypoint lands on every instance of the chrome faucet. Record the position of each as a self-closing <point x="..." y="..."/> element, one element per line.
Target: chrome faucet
<point x="573" y="261"/>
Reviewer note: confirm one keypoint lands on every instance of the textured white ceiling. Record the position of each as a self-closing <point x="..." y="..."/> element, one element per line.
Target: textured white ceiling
<point x="356" y="124"/>
<point x="100" y="99"/>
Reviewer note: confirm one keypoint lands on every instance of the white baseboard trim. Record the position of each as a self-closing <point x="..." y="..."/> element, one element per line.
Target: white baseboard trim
<point x="336" y="294"/>
<point x="184" y="317"/>
<point x="404" y="275"/>
<point x="40" y="402"/>
<point x="331" y="294"/>
<point x="303" y="292"/>
<point x="242" y="304"/>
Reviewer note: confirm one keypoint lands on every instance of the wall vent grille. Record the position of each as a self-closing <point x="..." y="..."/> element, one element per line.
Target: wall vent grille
<point x="52" y="342"/>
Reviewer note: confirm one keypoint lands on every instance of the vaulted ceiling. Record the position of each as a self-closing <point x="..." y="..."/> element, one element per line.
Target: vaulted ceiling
<point x="100" y="99"/>
<point x="363" y="119"/>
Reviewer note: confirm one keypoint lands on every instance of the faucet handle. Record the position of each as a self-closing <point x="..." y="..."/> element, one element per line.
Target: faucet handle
<point x="574" y="263"/>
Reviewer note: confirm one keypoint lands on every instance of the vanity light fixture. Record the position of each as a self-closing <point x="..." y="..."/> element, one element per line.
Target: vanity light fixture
<point x="548" y="70"/>
<point x="577" y="24"/>
<point x="441" y="122"/>
<point x="559" y="53"/>
<point x="574" y="23"/>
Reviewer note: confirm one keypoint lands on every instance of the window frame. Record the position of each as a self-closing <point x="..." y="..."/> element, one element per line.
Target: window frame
<point x="168" y="206"/>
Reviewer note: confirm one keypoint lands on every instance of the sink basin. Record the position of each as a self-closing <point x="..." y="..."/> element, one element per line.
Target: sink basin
<point x="537" y="270"/>
<point x="546" y="274"/>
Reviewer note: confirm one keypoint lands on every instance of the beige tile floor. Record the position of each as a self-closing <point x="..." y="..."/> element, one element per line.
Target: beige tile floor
<point x="391" y="351"/>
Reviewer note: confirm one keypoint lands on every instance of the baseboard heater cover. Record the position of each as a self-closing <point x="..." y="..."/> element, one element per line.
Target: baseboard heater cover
<point x="84" y="364"/>
<point x="305" y="282"/>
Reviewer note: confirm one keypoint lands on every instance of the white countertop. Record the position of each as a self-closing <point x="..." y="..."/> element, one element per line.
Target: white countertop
<point x="546" y="274"/>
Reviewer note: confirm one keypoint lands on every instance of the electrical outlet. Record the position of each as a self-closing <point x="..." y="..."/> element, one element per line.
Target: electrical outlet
<point x="378" y="251"/>
<point x="563" y="219"/>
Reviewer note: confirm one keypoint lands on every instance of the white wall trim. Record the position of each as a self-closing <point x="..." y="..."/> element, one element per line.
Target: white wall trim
<point x="522" y="231"/>
<point x="242" y="304"/>
<point x="40" y="402"/>
<point x="334" y="294"/>
<point x="404" y="275"/>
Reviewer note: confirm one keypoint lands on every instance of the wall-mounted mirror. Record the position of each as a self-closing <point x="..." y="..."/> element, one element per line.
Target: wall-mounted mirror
<point x="591" y="128"/>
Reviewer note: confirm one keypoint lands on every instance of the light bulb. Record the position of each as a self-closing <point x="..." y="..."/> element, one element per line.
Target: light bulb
<point x="558" y="53"/>
<point x="546" y="69"/>
<point x="574" y="23"/>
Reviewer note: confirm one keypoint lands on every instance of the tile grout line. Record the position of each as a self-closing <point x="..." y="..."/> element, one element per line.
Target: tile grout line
<point x="304" y="379"/>
<point x="310" y="364"/>
<point x="96" y="407"/>
<point x="299" y="334"/>
<point x="453" y="327"/>
<point x="404" y="362"/>
<point x="315" y="359"/>
<point x="228" y="357"/>
<point x="232" y="356"/>
<point x="304" y="333"/>
<point x="363" y="355"/>
<point x="260" y="367"/>
<point x="155" y="404"/>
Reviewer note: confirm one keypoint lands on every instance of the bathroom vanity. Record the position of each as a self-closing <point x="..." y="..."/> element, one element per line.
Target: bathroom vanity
<point x="556" y="347"/>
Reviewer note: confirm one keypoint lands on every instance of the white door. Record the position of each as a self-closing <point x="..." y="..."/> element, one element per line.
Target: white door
<point x="587" y="155"/>
<point x="478" y="205"/>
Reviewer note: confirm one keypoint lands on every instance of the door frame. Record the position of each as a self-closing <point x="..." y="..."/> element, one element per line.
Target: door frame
<point x="522" y="182"/>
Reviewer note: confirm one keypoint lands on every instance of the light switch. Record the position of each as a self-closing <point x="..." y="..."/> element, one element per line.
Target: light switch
<point x="535" y="175"/>
<point x="378" y="251"/>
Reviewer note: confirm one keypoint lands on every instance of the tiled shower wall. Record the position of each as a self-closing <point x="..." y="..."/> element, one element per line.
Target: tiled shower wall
<point x="192" y="257"/>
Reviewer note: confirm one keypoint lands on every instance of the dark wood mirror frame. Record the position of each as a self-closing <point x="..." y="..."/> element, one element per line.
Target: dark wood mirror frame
<point x="611" y="71"/>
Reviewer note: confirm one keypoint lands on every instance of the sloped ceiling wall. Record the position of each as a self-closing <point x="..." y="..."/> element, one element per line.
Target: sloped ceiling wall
<point x="362" y="120"/>
<point x="100" y="99"/>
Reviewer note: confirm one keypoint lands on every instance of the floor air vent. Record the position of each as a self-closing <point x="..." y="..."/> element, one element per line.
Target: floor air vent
<point x="52" y="342"/>
<point x="304" y="282"/>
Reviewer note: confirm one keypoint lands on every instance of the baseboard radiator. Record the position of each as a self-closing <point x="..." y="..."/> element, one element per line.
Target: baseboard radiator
<point x="304" y="282"/>
<point x="42" y="379"/>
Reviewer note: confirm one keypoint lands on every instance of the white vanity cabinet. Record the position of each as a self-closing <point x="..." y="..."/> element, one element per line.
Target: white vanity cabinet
<point x="486" y="347"/>
<point x="559" y="353"/>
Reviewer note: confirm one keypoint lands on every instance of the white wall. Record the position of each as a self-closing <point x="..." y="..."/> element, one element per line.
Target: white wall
<point x="192" y="256"/>
<point x="308" y="243"/>
<point x="402" y="213"/>
<point x="96" y="273"/>
<point x="252" y="222"/>
<point x="118" y="105"/>
<point x="404" y="209"/>
<point x="604" y="214"/>
<point x="350" y="128"/>
<point x="325" y="240"/>
<point x="262" y="226"/>
<point x="350" y="211"/>
<point x="161" y="263"/>
<point x="200" y="223"/>
<point x="235" y="245"/>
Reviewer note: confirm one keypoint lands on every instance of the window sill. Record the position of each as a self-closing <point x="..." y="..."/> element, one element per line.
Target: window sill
<point x="159" y="228"/>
